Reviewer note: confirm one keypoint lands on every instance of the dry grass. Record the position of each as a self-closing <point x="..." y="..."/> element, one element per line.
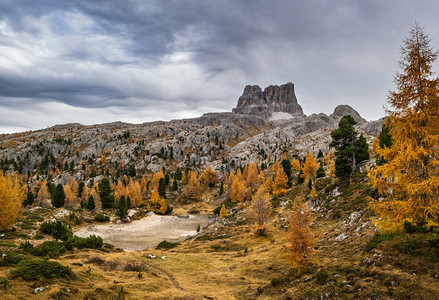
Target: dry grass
<point x="217" y="266"/>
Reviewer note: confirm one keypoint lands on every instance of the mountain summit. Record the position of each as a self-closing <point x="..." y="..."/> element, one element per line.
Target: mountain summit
<point x="274" y="102"/>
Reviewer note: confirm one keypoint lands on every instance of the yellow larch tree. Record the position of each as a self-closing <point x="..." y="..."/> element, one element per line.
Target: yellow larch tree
<point x="156" y="178"/>
<point x="223" y="212"/>
<point x="43" y="196"/>
<point x="12" y="194"/>
<point x="280" y="183"/>
<point x="408" y="181"/>
<point x="192" y="191"/>
<point x="328" y="157"/>
<point x="237" y="192"/>
<point x="300" y="240"/>
<point x="135" y="193"/>
<point x="310" y="167"/>
<point x="252" y="180"/>
<point x="295" y="164"/>
<point x="70" y="190"/>
<point x="260" y="210"/>
<point x="120" y="190"/>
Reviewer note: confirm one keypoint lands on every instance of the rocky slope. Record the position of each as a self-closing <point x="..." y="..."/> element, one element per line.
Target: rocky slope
<point x="223" y="140"/>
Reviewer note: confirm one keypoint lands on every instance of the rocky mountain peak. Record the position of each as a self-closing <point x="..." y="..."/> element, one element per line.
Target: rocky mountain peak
<point x="342" y="110"/>
<point x="274" y="99"/>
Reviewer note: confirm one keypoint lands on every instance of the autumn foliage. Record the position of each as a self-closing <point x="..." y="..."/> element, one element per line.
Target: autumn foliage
<point x="300" y="240"/>
<point x="12" y="194"/>
<point x="260" y="209"/>
<point x="408" y="180"/>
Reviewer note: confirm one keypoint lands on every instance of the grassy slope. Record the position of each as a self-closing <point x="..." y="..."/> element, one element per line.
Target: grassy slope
<point x="216" y="266"/>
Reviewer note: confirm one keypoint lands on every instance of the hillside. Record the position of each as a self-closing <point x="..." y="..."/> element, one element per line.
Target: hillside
<point x="214" y="250"/>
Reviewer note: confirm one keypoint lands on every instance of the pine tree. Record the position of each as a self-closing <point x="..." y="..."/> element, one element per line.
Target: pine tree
<point x="59" y="197"/>
<point x="320" y="171"/>
<point x="409" y="179"/>
<point x="90" y="203"/>
<point x="106" y="193"/>
<point x="349" y="148"/>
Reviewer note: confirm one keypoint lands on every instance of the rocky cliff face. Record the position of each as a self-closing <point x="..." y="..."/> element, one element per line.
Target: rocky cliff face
<point x="273" y="99"/>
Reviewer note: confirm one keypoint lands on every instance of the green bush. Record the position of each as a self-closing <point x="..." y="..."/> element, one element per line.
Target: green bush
<point x="35" y="268"/>
<point x="408" y="246"/>
<point x="47" y="227"/>
<point x="91" y="242"/>
<point x="278" y="281"/>
<point x="410" y="228"/>
<point x="61" y="231"/>
<point x="13" y="257"/>
<point x="322" y="277"/>
<point x="167" y="245"/>
<point x="52" y="249"/>
<point x="378" y="238"/>
<point x="434" y="240"/>
<point x="101" y="217"/>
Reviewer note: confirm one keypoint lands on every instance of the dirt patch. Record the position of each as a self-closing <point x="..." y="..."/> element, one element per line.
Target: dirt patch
<point x="147" y="232"/>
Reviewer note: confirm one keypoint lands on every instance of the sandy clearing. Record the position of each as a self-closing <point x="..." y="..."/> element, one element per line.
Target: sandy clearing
<point x="147" y="232"/>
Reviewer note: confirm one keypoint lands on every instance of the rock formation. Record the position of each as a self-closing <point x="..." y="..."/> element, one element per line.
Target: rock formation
<point x="274" y="99"/>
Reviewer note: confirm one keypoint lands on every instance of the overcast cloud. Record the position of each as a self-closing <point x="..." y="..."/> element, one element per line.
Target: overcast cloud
<point x="137" y="61"/>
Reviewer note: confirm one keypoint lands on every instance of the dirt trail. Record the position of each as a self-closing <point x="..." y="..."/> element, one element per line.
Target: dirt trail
<point x="147" y="232"/>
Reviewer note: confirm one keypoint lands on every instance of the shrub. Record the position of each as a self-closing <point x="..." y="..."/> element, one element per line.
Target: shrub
<point x="35" y="268"/>
<point x="378" y="238"/>
<point x="135" y="267"/>
<point x="167" y="245"/>
<point x="434" y="240"/>
<point x="52" y="249"/>
<point x="410" y="228"/>
<point x="61" y="231"/>
<point x="101" y="217"/>
<point x="13" y="257"/>
<point x="47" y="227"/>
<point x="91" y="242"/>
<point x="322" y="277"/>
<point x="408" y="246"/>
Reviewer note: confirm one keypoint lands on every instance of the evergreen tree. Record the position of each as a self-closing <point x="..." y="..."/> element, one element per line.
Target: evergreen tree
<point x="90" y="203"/>
<point x="59" y="196"/>
<point x="321" y="171"/>
<point x="122" y="211"/>
<point x="385" y="140"/>
<point x="29" y="199"/>
<point x="106" y="193"/>
<point x="349" y="148"/>
<point x="174" y="185"/>
<point x="286" y="164"/>
<point x="162" y="188"/>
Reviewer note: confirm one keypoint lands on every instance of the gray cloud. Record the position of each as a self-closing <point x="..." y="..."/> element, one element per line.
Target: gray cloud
<point x="64" y="61"/>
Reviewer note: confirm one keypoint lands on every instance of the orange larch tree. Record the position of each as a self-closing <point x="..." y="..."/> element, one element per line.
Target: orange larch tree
<point x="408" y="181"/>
<point x="300" y="240"/>
<point x="260" y="210"/>
<point x="210" y="177"/>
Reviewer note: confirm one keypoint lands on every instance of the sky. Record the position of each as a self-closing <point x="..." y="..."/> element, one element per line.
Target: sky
<point x="137" y="61"/>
